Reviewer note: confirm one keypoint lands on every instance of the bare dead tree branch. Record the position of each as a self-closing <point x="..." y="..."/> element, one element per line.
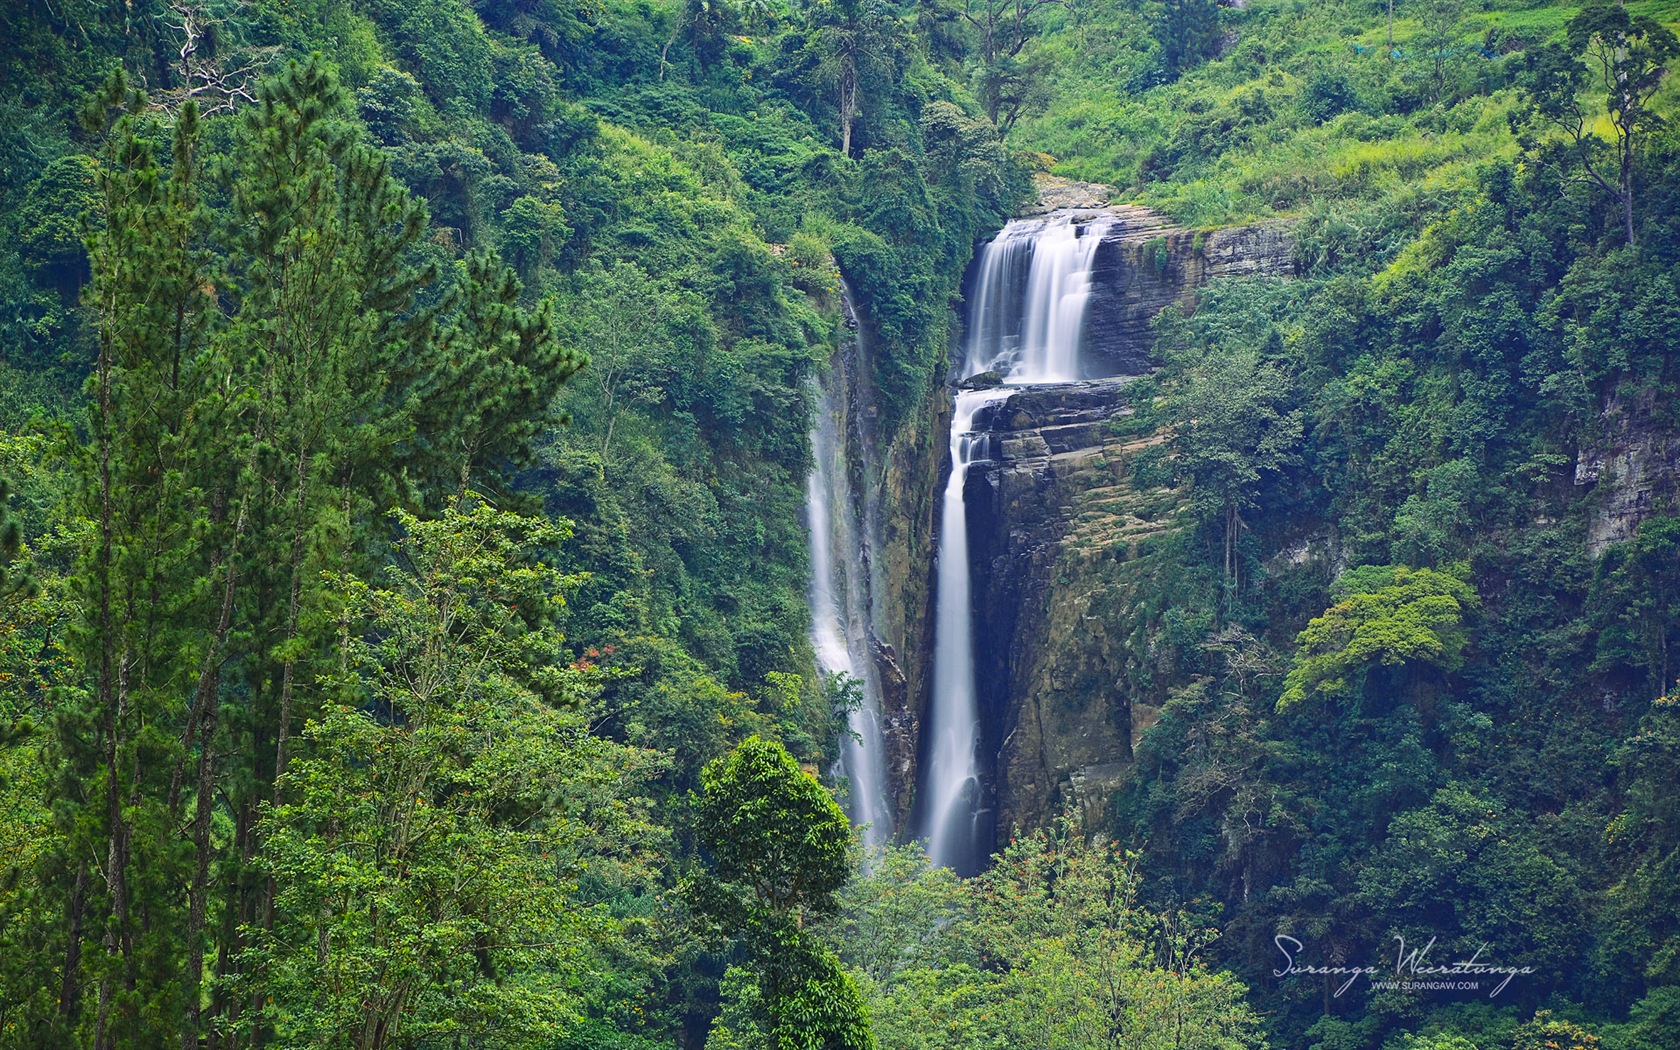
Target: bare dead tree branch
<point x="216" y="83"/>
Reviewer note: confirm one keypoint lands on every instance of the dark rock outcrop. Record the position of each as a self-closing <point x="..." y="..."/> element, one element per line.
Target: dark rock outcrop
<point x="1052" y="511"/>
<point x="1144" y="265"/>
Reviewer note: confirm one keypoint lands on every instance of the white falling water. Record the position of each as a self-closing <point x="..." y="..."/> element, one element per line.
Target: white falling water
<point x="994" y="313"/>
<point x="954" y="799"/>
<point x="1027" y="317"/>
<point x="840" y="617"/>
<point x="1029" y="325"/>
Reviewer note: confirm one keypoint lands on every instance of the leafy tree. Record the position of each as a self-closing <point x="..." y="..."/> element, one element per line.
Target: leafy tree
<point x="1051" y="948"/>
<point x="1653" y="1021"/>
<point x="1545" y="1032"/>
<point x="1437" y="1041"/>
<point x="1437" y="39"/>
<point x="1384" y="615"/>
<point x="561" y="28"/>
<point x="1642" y="943"/>
<point x="433" y="834"/>
<point x="14" y="579"/>
<point x="1628" y="56"/>
<point x="628" y="326"/>
<point x="1458" y="871"/>
<point x="1636" y="599"/>
<point x="1010" y="85"/>
<point x="705" y="23"/>
<point x="854" y="39"/>
<point x="897" y="915"/>
<point x="1187" y="34"/>
<point x="780" y="847"/>
<point x="52" y="222"/>
<point x="535" y="231"/>
<point x="262" y="383"/>
<point x="1232" y="427"/>
<point x="1327" y="95"/>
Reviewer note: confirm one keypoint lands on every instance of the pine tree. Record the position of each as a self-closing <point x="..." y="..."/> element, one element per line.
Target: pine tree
<point x="267" y="389"/>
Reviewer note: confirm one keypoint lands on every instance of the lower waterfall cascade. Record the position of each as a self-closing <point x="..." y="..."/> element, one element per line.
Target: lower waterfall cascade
<point x="955" y="803"/>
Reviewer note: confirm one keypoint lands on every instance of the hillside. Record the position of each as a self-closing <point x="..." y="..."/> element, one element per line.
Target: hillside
<point x="406" y="420"/>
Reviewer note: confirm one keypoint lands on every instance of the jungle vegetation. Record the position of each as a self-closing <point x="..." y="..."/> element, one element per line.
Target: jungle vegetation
<point x="403" y="418"/>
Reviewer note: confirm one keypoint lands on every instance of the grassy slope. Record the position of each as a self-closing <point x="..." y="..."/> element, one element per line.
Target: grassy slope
<point x="1244" y="146"/>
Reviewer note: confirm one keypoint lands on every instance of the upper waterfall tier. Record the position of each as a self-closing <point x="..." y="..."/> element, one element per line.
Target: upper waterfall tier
<point x="1071" y="293"/>
<point x="1033" y="286"/>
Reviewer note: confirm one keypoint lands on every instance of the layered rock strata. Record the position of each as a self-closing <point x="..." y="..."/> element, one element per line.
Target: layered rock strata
<point x="1052" y="513"/>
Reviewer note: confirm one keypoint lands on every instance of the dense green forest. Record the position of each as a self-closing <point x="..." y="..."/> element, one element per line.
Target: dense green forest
<point x="404" y="420"/>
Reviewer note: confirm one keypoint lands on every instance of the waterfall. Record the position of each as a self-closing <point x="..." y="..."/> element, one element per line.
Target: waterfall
<point x="1031" y="287"/>
<point x="839" y="599"/>
<point x="955" y="802"/>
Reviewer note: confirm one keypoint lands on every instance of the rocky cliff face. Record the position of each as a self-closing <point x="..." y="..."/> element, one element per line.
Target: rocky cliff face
<point x="1631" y="469"/>
<point x="1144" y="265"/>
<point x="1054" y="520"/>
<point x="1059" y="534"/>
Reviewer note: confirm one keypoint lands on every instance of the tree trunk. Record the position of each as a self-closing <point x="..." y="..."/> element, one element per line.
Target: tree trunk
<point x="203" y="722"/>
<point x="285" y="727"/>
<point x="848" y="103"/>
<point x="1627" y="196"/>
<point x="70" y="992"/>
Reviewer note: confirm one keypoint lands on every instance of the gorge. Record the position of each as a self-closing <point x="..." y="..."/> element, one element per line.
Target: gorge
<point x="1032" y="474"/>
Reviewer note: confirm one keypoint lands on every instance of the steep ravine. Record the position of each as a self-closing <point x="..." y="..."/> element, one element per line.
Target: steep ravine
<point x="1056" y="527"/>
<point x="893" y="481"/>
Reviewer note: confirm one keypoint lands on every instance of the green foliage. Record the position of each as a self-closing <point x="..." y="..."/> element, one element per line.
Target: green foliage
<point x="1232" y="427"/>
<point x="1187" y="33"/>
<point x="1438" y="1041"/>
<point x="52" y="222"/>
<point x="1636" y="592"/>
<point x="1385" y="615"/>
<point x="1453" y="349"/>
<point x="772" y="829"/>
<point x="261" y="373"/>
<point x="1051" y="948"/>
<point x="430" y="841"/>
<point x="1472" y="879"/>
<point x="14" y="579"/>
<point x="1546" y="1033"/>
<point x="779" y="848"/>
<point x="1624" y="56"/>
<point x="1643" y="941"/>
<point x="1468" y="338"/>
<point x="1326" y="95"/>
